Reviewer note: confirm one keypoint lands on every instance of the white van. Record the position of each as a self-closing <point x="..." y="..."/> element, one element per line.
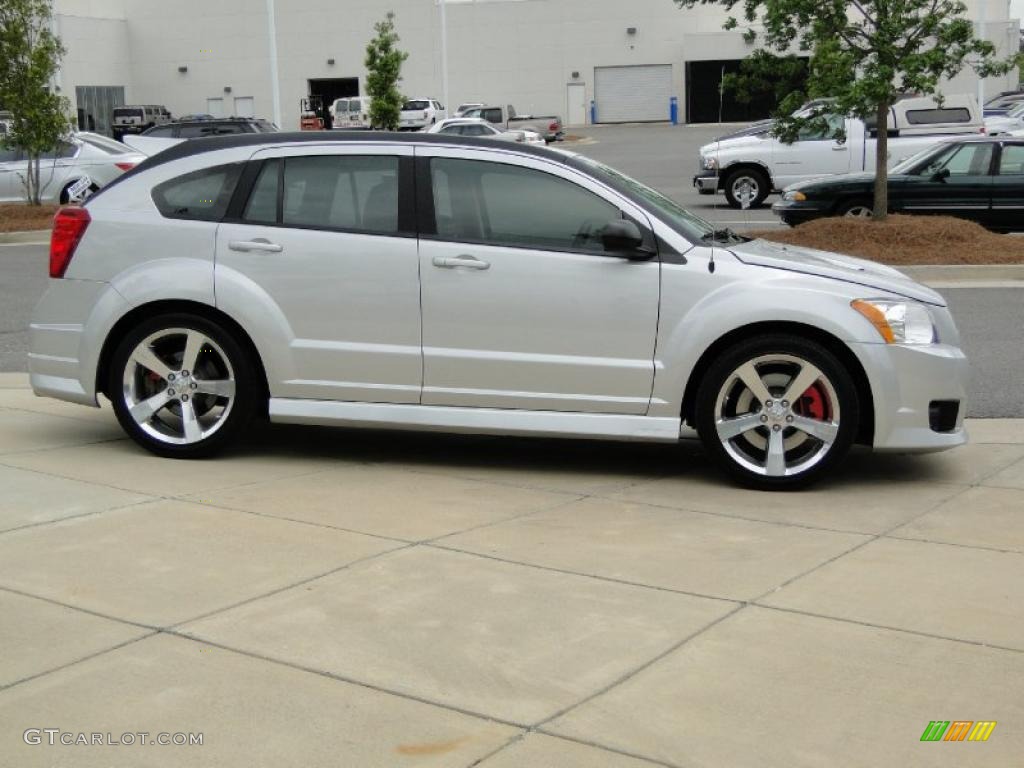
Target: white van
<point x="350" y="113"/>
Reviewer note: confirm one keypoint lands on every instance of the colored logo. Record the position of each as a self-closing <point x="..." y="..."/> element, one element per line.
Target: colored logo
<point x="958" y="730"/>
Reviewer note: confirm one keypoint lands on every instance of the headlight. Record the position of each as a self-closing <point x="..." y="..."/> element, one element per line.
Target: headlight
<point x="898" y="322"/>
<point x="709" y="163"/>
<point x="794" y="196"/>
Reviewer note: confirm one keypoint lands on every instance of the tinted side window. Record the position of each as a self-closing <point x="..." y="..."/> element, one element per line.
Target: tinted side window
<point x="200" y="196"/>
<point x="503" y="204"/>
<point x="262" y="205"/>
<point x="192" y="131"/>
<point x="491" y="115"/>
<point x="338" y="192"/>
<point x="969" y="160"/>
<point x="1012" y="161"/>
<point x="932" y="116"/>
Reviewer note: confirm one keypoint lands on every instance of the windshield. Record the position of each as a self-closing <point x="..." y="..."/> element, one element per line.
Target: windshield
<point x="668" y="210"/>
<point x="411" y="105"/>
<point x="907" y="165"/>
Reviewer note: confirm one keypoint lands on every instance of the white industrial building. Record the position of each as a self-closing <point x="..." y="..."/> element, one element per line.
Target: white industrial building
<point x="260" y="57"/>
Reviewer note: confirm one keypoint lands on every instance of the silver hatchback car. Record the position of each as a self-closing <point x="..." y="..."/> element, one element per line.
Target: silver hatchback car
<point x="434" y="282"/>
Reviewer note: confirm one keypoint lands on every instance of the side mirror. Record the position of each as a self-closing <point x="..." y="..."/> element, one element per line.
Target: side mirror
<point x="623" y="237"/>
<point x="941" y="175"/>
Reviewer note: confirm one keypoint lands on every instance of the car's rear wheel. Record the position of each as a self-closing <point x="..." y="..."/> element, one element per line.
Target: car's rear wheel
<point x="182" y="386"/>
<point x="748" y="185"/>
<point x="777" y="412"/>
<point x="858" y="209"/>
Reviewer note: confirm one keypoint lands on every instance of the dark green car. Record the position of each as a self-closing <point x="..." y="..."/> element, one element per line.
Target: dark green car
<point x="981" y="179"/>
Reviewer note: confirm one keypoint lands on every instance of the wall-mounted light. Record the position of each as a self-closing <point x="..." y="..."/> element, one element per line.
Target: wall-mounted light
<point x="227" y="89"/>
<point x="630" y="30"/>
<point x="575" y="75"/>
<point x="330" y="62"/>
<point x="183" y="69"/>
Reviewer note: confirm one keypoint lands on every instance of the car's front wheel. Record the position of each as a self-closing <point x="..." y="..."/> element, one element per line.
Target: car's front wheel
<point x="182" y="386"/>
<point x="747" y="185"/>
<point x="777" y="412"/>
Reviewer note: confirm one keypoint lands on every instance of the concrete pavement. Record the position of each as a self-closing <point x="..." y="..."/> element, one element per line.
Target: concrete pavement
<point x="333" y="597"/>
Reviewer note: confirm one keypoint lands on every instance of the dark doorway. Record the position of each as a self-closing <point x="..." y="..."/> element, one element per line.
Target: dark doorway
<point x="329" y="89"/>
<point x="703" y="80"/>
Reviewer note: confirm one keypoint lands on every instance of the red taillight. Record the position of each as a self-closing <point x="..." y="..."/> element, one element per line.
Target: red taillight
<point x="553" y="127"/>
<point x="125" y="166"/>
<point x="68" y="227"/>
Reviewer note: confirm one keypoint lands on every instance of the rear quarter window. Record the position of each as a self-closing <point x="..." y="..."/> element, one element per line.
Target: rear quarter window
<point x="198" y="196"/>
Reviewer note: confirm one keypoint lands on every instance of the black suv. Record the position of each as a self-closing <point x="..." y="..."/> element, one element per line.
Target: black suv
<point x="211" y="126"/>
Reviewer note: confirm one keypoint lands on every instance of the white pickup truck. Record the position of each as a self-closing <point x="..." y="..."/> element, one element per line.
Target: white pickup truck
<point x="750" y="167"/>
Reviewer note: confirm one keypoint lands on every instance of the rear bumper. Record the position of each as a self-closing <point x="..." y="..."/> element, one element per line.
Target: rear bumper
<point x="907" y="381"/>
<point x="66" y="335"/>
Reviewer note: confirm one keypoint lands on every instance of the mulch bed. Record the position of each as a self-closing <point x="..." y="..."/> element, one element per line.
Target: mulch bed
<point x="904" y="240"/>
<point x="17" y="217"/>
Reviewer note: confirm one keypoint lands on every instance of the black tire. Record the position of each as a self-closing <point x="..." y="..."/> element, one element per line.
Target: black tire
<point x="720" y="377"/>
<point x="758" y="181"/>
<point x="851" y="208"/>
<point x="248" y="391"/>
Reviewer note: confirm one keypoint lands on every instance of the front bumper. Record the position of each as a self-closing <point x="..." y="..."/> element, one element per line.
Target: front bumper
<point x="706" y="182"/>
<point x="907" y="381"/>
<point x="794" y="213"/>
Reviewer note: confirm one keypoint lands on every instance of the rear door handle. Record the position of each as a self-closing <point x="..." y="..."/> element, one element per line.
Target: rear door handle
<point x="254" y="245"/>
<point x="461" y="261"/>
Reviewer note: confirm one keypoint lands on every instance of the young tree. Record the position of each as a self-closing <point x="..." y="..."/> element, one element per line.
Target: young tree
<point x="384" y="71"/>
<point x="864" y="54"/>
<point x="29" y="56"/>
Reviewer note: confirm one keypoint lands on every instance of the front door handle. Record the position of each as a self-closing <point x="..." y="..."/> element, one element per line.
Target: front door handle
<point x="839" y="147"/>
<point x="259" y="244"/>
<point x="461" y="261"/>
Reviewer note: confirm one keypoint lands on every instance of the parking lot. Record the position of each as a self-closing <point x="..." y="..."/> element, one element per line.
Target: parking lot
<point x="324" y="597"/>
<point x="330" y="597"/>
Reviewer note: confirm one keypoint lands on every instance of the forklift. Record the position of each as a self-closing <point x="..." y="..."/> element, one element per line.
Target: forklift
<point x="311" y="115"/>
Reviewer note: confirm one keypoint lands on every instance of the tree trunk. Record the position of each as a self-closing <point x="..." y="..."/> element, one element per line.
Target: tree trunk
<point x="881" y="209"/>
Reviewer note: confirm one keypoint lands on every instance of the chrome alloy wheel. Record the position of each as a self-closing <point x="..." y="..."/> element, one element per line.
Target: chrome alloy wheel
<point x="777" y="415"/>
<point x="859" y="212"/>
<point x="179" y="386"/>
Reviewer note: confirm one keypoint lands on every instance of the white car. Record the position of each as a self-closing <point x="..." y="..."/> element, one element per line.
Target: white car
<point x="475" y="126"/>
<point x="419" y="113"/>
<point x="81" y="165"/>
<point x="432" y="282"/>
<point x="1010" y="124"/>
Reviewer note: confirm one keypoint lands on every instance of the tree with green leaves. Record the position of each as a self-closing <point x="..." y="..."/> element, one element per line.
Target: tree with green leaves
<point x="384" y="72"/>
<point x="864" y="54"/>
<point x="29" y="56"/>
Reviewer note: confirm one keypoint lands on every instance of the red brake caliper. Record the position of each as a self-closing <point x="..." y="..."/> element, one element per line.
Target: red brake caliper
<point x="812" y="403"/>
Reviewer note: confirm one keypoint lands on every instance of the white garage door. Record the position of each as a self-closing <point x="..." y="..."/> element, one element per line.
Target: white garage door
<point x="630" y="94"/>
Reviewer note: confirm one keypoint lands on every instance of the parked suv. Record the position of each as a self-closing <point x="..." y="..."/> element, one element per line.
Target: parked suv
<point x="419" y="113"/>
<point x="213" y="126"/>
<point x="436" y="282"/>
<point x="138" y="119"/>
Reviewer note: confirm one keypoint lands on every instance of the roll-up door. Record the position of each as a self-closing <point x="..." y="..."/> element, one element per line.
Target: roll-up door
<point x="633" y="94"/>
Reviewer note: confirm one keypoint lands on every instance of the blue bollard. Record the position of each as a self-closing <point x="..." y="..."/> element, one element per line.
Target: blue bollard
<point x="593" y="112"/>
<point x="673" y="110"/>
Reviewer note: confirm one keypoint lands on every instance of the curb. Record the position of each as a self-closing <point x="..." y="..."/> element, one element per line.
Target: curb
<point x="32" y="236"/>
